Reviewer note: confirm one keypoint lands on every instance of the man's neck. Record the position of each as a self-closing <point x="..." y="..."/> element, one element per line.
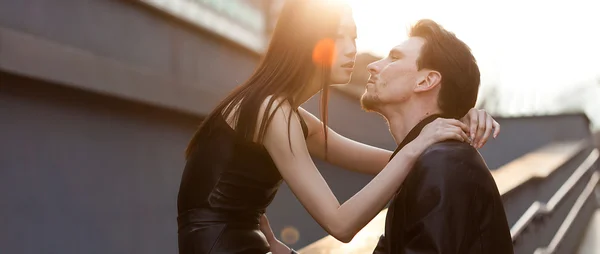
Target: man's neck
<point x="402" y="120"/>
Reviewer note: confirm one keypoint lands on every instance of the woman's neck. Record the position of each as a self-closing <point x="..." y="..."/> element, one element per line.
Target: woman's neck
<point x="312" y="87"/>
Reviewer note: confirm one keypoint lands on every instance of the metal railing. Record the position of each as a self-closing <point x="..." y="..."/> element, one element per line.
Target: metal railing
<point x="576" y="191"/>
<point x="540" y="208"/>
<point x="573" y="213"/>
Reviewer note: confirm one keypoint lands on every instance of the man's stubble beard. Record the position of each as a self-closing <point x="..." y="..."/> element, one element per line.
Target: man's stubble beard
<point x="369" y="103"/>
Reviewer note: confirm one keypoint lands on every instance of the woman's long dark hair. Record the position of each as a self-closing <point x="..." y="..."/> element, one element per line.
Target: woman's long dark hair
<point x="286" y="68"/>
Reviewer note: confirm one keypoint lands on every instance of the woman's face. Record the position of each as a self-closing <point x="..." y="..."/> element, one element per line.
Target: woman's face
<point x="345" y="50"/>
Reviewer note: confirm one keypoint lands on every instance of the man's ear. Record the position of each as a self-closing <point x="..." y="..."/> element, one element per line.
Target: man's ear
<point x="429" y="81"/>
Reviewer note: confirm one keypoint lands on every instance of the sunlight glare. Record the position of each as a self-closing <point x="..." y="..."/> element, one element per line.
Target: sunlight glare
<point x="540" y="48"/>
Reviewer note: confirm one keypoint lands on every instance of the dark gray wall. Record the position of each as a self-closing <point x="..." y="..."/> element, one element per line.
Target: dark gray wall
<point x="521" y="135"/>
<point x="121" y="48"/>
<point x="83" y="173"/>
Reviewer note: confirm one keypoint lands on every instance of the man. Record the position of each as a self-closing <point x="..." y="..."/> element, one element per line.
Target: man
<point x="449" y="203"/>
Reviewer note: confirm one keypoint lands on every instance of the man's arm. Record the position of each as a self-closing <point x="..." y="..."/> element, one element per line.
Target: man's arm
<point x="452" y="203"/>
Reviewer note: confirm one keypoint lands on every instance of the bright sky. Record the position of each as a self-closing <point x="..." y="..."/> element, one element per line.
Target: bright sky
<point x="533" y="51"/>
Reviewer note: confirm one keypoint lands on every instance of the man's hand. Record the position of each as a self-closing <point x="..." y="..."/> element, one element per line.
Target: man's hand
<point x="480" y="125"/>
<point x="276" y="246"/>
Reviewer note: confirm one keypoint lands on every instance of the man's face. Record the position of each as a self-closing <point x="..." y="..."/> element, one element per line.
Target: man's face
<point x="394" y="78"/>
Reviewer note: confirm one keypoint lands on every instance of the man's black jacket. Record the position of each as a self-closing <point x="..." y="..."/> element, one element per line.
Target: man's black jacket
<point x="449" y="203"/>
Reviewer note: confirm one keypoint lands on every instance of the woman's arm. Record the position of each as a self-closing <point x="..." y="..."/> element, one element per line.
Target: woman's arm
<point x="299" y="171"/>
<point x="355" y="156"/>
<point x="343" y="152"/>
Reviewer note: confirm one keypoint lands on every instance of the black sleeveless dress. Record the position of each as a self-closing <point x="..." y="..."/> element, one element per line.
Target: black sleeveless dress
<point x="227" y="184"/>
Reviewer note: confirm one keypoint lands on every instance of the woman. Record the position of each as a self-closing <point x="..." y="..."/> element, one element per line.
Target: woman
<point x="259" y="136"/>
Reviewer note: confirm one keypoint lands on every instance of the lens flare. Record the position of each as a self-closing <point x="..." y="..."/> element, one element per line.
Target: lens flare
<point x="324" y="52"/>
<point x="290" y="235"/>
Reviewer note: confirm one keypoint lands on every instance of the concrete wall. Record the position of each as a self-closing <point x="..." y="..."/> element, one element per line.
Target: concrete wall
<point x="84" y="173"/>
<point x="121" y="48"/>
<point x="521" y="135"/>
<point x="92" y="131"/>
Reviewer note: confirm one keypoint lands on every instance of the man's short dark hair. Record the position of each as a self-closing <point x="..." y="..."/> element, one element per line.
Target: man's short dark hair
<point x="452" y="58"/>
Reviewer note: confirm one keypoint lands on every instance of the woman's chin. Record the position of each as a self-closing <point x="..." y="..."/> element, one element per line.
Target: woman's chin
<point x="341" y="79"/>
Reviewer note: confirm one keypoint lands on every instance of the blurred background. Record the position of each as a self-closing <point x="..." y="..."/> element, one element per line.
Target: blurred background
<point x="99" y="98"/>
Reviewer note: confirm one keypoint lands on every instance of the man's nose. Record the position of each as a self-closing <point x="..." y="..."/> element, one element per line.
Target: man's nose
<point x="373" y="67"/>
